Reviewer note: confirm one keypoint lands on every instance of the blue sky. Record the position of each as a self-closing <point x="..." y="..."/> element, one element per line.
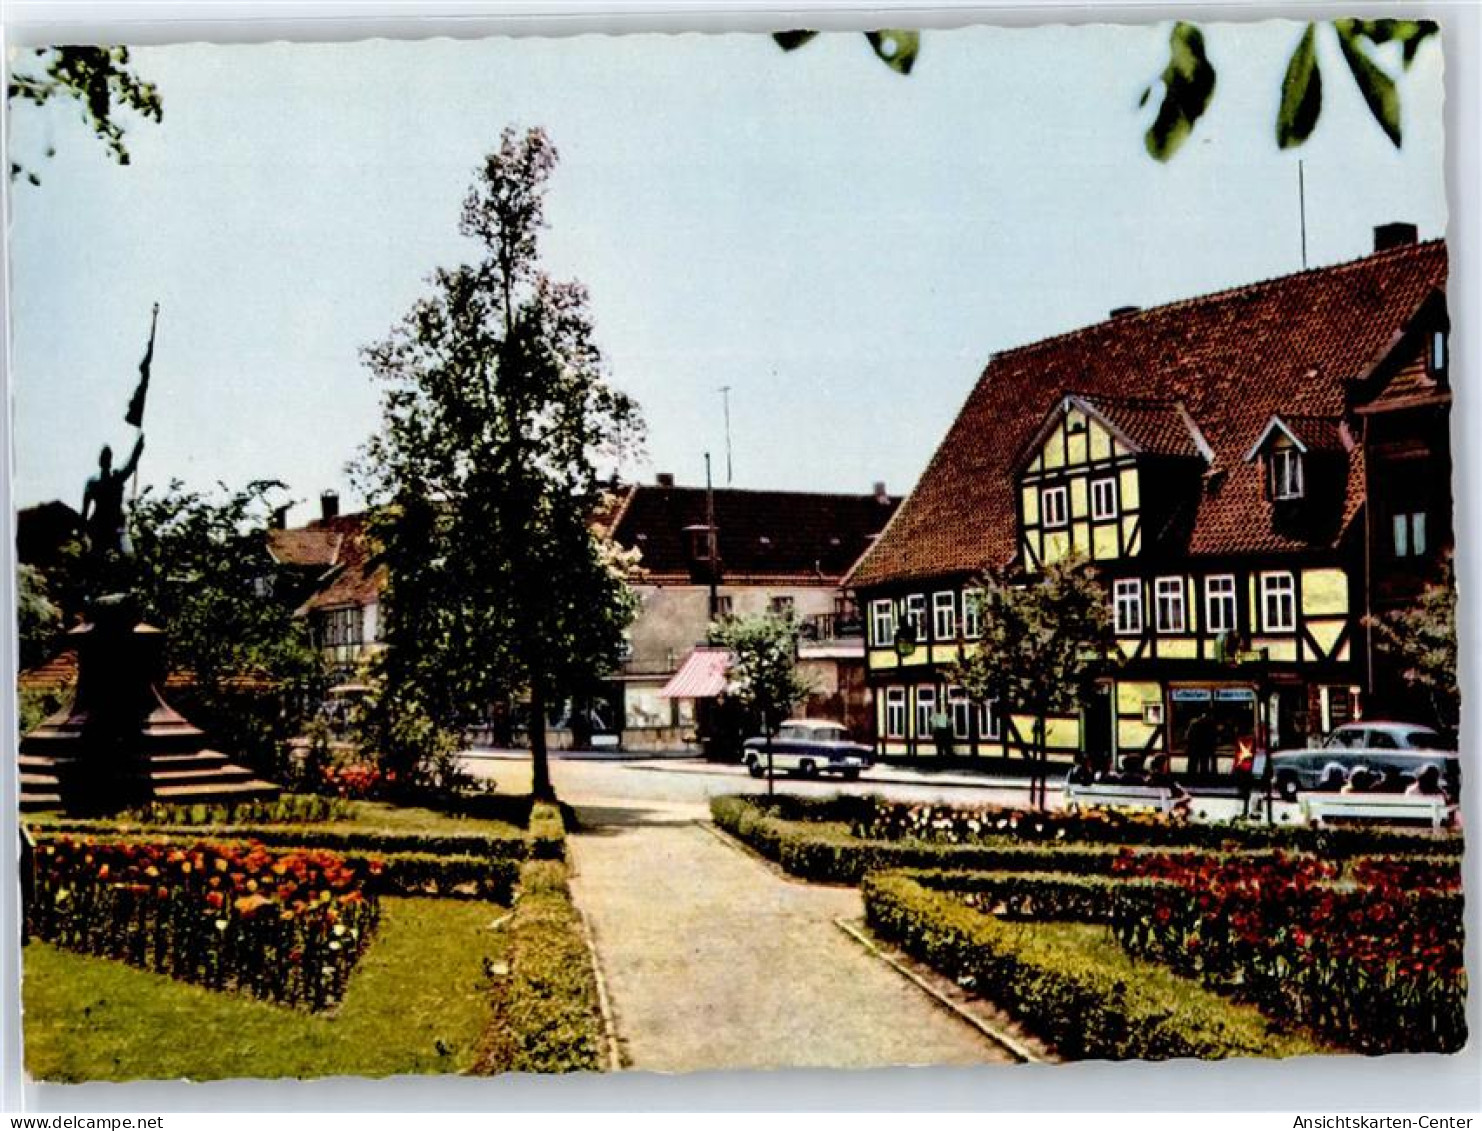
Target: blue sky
<point x="843" y="246"/>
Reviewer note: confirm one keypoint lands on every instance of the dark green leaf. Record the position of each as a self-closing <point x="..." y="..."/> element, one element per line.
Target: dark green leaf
<point x="1301" y="93"/>
<point x="1188" y="87"/>
<point x="897" y="48"/>
<point x="1377" y="87"/>
<point x="792" y="40"/>
<point x="1409" y="34"/>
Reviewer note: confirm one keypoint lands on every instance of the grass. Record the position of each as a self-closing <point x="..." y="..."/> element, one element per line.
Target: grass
<point x="418" y="1002"/>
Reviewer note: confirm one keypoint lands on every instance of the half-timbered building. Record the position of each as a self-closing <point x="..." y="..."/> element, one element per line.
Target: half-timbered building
<point x="1254" y="474"/>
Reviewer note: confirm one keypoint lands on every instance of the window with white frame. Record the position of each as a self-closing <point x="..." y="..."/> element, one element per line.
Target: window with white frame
<point x="972" y="613"/>
<point x="1127" y="606"/>
<point x="988" y="726"/>
<point x="916" y="614"/>
<point x="1052" y="506"/>
<point x="944" y="616"/>
<point x="1278" y="602"/>
<point x="1409" y="534"/>
<point x="1219" y="602"/>
<point x="882" y="622"/>
<point x="1104" y="498"/>
<point x="783" y="606"/>
<point x="1169" y="597"/>
<point x="961" y="710"/>
<point x="895" y="712"/>
<point x="1286" y="473"/>
<point x="926" y="707"/>
<point x="725" y="605"/>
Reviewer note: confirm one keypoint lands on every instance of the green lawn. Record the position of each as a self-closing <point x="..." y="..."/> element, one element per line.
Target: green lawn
<point x="418" y="1002"/>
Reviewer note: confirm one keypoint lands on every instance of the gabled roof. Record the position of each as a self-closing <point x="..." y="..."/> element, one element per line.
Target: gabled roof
<point x="357" y="575"/>
<point x="305" y="547"/>
<point x="1232" y="359"/>
<point x="1144" y="424"/>
<point x="762" y="536"/>
<point x="1307" y="433"/>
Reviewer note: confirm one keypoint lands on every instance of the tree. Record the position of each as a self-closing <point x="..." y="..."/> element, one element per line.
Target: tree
<point x="1420" y="640"/>
<point x="1044" y="644"/>
<point x="37" y="617"/>
<point x="764" y="669"/>
<point x="495" y="412"/>
<point x="97" y="77"/>
<point x="201" y="572"/>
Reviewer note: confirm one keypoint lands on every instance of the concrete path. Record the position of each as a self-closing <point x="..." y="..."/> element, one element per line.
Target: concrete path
<point x="714" y="961"/>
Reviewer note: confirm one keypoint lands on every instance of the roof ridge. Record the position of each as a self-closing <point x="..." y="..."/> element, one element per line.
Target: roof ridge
<point x="1224" y="294"/>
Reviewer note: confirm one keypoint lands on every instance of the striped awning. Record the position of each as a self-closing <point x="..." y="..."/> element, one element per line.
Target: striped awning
<point x="701" y="676"/>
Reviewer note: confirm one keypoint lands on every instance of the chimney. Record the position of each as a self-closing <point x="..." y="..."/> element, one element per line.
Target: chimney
<point x="329" y="505"/>
<point x="880" y="496"/>
<point x="1123" y="311"/>
<point x="280" y="517"/>
<point x="1399" y="234"/>
<point x="665" y="479"/>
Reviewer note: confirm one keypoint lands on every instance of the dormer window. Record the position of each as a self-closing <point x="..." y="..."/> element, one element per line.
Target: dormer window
<point x="1437" y="358"/>
<point x="1286" y="473"/>
<point x="699" y="542"/>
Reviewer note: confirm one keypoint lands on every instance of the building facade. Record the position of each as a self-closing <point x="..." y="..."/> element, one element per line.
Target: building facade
<point x="1254" y="474"/>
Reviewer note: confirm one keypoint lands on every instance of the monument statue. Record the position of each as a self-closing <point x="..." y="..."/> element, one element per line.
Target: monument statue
<point x="103" y="507"/>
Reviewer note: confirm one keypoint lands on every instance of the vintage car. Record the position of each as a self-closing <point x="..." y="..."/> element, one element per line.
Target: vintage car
<point x="808" y="748"/>
<point x="1406" y="748"/>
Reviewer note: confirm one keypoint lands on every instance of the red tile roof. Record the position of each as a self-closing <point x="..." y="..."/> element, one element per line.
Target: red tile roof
<point x="1233" y="359"/>
<point x="358" y="575"/>
<point x="305" y="546"/>
<point x="771" y="536"/>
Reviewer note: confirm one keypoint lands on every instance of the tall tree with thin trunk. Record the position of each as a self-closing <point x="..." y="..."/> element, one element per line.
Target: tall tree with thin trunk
<point x="496" y="411"/>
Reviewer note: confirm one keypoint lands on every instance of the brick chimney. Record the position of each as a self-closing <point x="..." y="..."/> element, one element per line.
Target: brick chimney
<point x="329" y="505"/>
<point x="881" y="496"/>
<point x="1398" y="234"/>
<point x="665" y="479"/>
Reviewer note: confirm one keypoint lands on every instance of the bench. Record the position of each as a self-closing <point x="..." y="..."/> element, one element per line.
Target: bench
<point x="1395" y="808"/>
<point x="1112" y="796"/>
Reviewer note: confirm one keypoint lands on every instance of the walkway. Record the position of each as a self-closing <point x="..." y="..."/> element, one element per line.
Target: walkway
<point x="713" y="961"/>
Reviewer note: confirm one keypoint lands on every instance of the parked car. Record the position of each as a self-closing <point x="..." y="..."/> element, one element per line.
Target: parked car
<point x="808" y="747"/>
<point x="1379" y="746"/>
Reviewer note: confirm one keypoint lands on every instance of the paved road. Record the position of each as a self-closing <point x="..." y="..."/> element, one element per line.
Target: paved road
<point x="714" y="961"/>
<point x="695" y="782"/>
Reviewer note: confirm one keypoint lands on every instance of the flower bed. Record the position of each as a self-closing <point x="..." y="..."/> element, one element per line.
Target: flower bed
<point x="287" y="927"/>
<point x="1377" y="965"/>
<point x="1086" y="1002"/>
<point x="874" y="818"/>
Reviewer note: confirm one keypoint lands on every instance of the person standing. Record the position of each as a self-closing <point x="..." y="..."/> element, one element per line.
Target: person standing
<point x="1199" y="741"/>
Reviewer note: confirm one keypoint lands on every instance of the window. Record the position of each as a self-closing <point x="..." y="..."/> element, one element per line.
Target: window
<point x="783" y="606"/>
<point x="988" y="719"/>
<point x="944" y="616"/>
<point x="1103" y="498"/>
<point x="882" y="622"/>
<point x="1286" y="473"/>
<point x="725" y="605"/>
<point x="1409" y="530"/>
<point x="926" y="706"/>
<point x="343" y="628"/>
<point x="1170" y="604"/>
<point x="1052" y="506"/>
<point x="1278" y="602"/>
<point x="1127" y="606"/>
<point x="895" y="712"/>
<point x="1438" y="352"/>
<point x="972" y="613"/>
<point x="961" y="710"/>
<point x="1219" y="603"/>
<point x="699" y="542"/>
<point x="916" y="614"/>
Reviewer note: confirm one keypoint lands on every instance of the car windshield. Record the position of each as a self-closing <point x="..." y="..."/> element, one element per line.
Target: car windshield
<point x="1346" y="738"/>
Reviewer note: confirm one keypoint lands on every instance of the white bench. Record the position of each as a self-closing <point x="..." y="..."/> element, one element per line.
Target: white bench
<point x="1112" y="796"/>
<point x="1380" y="807"/>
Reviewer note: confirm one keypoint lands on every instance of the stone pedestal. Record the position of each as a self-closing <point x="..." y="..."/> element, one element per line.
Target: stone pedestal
<point x="119" y="744"/>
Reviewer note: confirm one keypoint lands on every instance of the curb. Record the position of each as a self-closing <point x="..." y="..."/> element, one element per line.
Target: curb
<point x="1011" y="1044"/>
<point x="604" y="1003"/>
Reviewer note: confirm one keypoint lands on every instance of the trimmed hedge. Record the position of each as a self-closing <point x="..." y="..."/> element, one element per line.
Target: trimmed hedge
<point x="546" y="832"/>
<point x="349" y="841"/>
<point x="879" y="820"/>
<point x="1087" y="1007"/>
<point x="451" y="877"/>
<point x="827" y="853"/>
<point x="547" y="1013"/>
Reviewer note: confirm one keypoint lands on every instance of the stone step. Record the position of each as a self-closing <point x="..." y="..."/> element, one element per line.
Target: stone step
<point x="44" y="780"/>
<point x="204" y="774"/>
<point x="30" y="802"/>
<point x="212" y="791"/>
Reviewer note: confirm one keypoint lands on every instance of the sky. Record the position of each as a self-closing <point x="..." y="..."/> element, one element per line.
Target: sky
<point x="843" y="246"/>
